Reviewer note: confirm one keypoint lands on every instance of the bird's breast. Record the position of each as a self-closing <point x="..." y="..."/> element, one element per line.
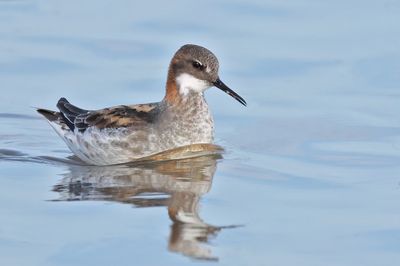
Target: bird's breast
<point x="187" y="124"/>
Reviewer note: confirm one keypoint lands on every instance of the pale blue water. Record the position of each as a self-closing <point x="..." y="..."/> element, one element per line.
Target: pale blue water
<point x="312" y="169"/>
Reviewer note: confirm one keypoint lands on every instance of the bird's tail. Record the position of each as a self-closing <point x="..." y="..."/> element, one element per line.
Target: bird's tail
<point x="49" y="114"/>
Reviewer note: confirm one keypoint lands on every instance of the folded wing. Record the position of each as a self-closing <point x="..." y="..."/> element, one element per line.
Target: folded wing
<point x="114" y="117"/>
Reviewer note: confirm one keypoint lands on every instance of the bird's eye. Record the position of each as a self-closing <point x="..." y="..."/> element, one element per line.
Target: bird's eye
<point x="198" y="65"/>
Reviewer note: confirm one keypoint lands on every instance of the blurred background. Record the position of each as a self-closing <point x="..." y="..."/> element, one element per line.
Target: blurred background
<point x="310" y="175"/>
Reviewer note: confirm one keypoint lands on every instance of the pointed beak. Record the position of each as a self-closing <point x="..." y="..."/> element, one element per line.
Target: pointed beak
<point x="220" y="85"/>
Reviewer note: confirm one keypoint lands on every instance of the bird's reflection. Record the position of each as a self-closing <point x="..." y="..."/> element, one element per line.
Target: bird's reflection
<point x="176" y="184"/>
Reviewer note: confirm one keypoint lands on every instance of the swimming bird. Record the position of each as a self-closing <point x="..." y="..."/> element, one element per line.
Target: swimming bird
<point x="127" y="133"/>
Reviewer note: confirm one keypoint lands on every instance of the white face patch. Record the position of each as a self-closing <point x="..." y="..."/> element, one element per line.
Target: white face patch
<point x="187" y="82"/>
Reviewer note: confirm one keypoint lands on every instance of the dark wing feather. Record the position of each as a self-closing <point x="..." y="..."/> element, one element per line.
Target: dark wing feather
<point x="116" y="117"/>
<point x="69" y="112"/>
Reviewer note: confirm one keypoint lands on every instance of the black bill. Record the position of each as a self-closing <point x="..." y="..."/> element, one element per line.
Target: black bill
<point x="220" y="85"/>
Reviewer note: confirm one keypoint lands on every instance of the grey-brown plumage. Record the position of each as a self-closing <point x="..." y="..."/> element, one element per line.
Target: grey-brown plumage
<point x="129" y="132"/>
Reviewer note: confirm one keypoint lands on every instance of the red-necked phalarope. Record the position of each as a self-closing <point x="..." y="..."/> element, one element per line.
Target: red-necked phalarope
<point x="126" y="133"/>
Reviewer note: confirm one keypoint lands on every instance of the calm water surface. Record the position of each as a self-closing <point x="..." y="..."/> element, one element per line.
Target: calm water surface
<point x="311" y="171"/>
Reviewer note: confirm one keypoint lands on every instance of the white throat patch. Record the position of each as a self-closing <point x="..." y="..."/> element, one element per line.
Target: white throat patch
<point x="187" y="83"/>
